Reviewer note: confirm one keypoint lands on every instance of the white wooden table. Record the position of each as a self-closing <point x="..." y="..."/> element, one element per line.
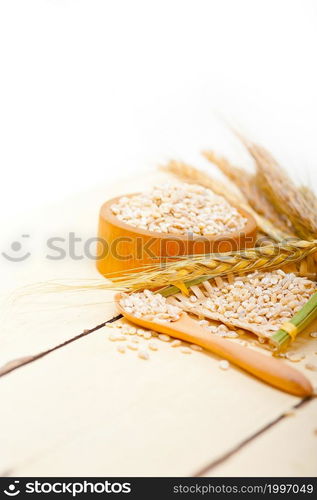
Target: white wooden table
<point x="83" y="409"/>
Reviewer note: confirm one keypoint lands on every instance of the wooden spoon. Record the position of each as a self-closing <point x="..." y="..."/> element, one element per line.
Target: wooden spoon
<point x="271" y="370"/>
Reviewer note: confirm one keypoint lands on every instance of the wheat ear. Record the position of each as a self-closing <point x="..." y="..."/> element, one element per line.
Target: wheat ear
<point x="191" y="174"/>
<point x="195" y="269"/>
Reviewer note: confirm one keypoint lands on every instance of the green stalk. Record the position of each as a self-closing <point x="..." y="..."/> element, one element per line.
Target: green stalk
<point x="302" y="318"/>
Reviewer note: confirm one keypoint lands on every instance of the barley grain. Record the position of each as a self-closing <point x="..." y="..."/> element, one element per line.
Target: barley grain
<point x="232" y="335"/>
<point x="143" y="354"/>
<point x="196" y="347"/>
<point x="164" y="338"/>
<point x="116" y="336"/>
<point x="311" y="366"/>
<point x="148" y="305"/>
<point x="132" y="346"/>
<point x="180" y="209"/>
<point x="203" y="322"/>
<point x="295" y="357"/>
<point x="185" y="350"/>
<point x="259" y="302"/>
<point x="153" y="346"/>
<point x="176" y="343"/>
<point x="224" y="364"/>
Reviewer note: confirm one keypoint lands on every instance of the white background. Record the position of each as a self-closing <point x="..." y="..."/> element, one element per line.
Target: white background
<point x="94" y="89"/>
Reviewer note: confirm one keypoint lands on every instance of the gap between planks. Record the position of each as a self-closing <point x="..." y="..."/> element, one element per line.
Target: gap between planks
<point x="19" y="362"/>
<point x="229" y="454"/>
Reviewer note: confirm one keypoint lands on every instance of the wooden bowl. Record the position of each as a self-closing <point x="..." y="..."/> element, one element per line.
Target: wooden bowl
<point x="123" y="248"/>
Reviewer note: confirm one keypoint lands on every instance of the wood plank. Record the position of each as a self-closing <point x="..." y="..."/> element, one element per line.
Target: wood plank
<point x="86" y="409"/>
<point x="287" y="449"/>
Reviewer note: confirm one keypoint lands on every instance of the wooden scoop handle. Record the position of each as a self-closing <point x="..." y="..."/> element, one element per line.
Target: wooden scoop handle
<point x="272" y="370"/>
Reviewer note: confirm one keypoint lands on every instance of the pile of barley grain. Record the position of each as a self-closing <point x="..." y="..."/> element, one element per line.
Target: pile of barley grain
<point x="180" y="209"/>
<point x="266" y="299"/>
<point x="150" y="306"/>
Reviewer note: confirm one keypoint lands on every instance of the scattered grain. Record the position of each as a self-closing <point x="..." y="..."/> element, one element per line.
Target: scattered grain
<point x="140" y="331"/>
<point x="153" y="346"/>
<point x="164" y="338"/>
<point x="185" y="350"/>
<point x="116" y="336"/>
<point x="132" y="346"/>
<point x="143" y="354"/>
<point x="224" y="364"/>
<point x="203" y="322"/>
<point x="121" y="348"/>
<point x="129" y="330"/>
<point x="176" y="343"/>
<point x="196" y="347"/>
<point x="232" y="335"/>
<point x="311" y="366"/>
<point x="295" y="357"/>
